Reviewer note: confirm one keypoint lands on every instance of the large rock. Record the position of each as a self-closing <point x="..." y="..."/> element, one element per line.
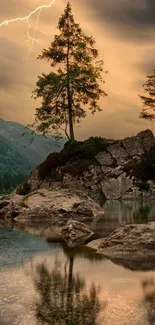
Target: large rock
<point x="104" y="158"/>
<point x="147" y="139"/>
<point x="117" y="151"/>
<point x="8" y="205"/>
<point x="75" y="233"/>
<point x="106" y="170"/>
<point x="132" y="246"/>
<point x="133" y="146"/>
<point x="115" y="188"/>
<point x="131" y="239"/>
<point x="45" y="205"/>
<point x="101" y="174"/>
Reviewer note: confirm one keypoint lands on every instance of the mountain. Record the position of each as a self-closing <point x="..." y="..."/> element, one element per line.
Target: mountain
<point x="17" y="154"/>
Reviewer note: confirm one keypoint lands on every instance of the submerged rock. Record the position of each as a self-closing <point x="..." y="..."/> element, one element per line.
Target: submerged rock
<point x="75" y="233"/>
<point x="131" y="239"/>
<point x="132" y="246"/>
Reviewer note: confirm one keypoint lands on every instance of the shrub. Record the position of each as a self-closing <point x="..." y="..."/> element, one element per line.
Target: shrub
<point x="144" y="186"/>
<point x="147" y="165"/>
<point x="145" y="168"/>
<point x="23" y="189"/>
<point x="74" y="158"/>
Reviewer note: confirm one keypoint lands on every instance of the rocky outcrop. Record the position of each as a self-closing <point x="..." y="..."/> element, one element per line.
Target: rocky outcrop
<point x="133" y="146"/>
<point x="105" y="158"/>
<point x="118" y="169"/>
<point x="115" y="188"/>
<point x="75" y="233"/>
<point x="131" y="246"/>
<point x="147" y="139"/>
<point x="117" y="151"/>
<point x="8" y="204"/>
<point x="45" y="205"/>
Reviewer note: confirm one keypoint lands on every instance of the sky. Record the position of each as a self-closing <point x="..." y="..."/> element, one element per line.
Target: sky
<point x="125" y="37"/>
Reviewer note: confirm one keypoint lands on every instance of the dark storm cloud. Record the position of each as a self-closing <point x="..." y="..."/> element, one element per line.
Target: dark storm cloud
<point x="134" y="20"/>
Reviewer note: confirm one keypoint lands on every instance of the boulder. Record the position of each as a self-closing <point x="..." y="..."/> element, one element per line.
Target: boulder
<point x="121" y="161"/>
<point x="8" y="204"/>
<point x="133" y="146"/>
<point x="115" y="188"/>
<point x="45" y="205"/>
<point x="116" y="171"/>
<point x="104" y="158"/>
<point x="130" y="240"/>
<point x="147" y="139"/>
<point x="75" y="233"/>
<point x="106" y="170"/>
<point x="117" y="151"/>
<point x="131" y="246"/>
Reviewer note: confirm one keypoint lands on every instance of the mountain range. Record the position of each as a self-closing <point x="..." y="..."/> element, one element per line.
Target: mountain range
<point x="19" y="154"/>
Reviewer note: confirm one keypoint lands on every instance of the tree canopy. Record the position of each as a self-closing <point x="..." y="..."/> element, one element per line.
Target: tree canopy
<point x="148" y="102"/>
<point x="73" y="85"/>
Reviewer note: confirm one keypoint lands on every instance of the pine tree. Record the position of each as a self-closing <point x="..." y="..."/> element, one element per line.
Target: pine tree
<point x="67" y="91"/>
<point x="148" y="110"/>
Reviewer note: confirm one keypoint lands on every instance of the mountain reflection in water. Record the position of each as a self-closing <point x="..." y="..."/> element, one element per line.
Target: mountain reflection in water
<point x="148" y="285"/>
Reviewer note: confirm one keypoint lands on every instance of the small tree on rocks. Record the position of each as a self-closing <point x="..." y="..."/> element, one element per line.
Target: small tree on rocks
<point x="67" y="91"/>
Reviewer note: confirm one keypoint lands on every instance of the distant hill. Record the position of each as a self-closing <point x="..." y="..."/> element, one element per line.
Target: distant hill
<point x="17" y="154"/>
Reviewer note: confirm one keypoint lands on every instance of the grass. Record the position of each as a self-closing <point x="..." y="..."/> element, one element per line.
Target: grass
<point x="26" y="197"/>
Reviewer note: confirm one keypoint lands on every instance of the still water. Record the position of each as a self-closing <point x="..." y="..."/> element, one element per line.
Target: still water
<point x="46" y="283"/>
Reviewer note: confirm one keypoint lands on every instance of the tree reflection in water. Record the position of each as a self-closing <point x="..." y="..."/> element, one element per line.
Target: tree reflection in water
<point x="63" y="299"/>
<point x="148" y="286"/>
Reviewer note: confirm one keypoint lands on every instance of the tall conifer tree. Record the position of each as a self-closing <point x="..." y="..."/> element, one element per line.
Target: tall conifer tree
<point x="74" y="84"/>
<point x="148" y="110"/>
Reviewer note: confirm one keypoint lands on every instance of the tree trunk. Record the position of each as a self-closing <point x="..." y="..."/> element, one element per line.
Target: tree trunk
<point x="69" y="97"/>
<point x="70" y="292"/>
<point x="71" y="129"/>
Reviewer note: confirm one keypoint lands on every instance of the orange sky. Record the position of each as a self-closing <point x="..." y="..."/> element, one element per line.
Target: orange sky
<point x="125" y="36"/>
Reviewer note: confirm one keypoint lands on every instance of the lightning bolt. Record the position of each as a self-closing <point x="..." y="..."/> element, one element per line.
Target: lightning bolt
<point x="6" y="22"/>
<point x="30" y="39"/>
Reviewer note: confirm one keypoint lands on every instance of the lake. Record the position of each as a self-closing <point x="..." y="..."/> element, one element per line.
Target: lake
<point x="47" y="283"/>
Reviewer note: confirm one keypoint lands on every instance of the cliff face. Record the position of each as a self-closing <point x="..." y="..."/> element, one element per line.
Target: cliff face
<point x="103" y="169"/>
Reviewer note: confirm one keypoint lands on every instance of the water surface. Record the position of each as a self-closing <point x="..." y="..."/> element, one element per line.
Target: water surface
<point x="47" y="283"/>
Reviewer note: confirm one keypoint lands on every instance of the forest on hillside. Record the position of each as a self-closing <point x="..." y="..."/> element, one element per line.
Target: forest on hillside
<point x="9" y="181"/>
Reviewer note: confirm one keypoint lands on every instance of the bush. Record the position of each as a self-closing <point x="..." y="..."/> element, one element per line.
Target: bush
<point x="144" y="186"/>
<point x="75" y="157"/>
<point x="146" y="168"/>
<point x="23" y="189"/>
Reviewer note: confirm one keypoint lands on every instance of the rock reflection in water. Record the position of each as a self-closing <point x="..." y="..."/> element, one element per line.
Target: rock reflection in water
<point x="148" y="286"/>
<point x="63" y="296"/>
